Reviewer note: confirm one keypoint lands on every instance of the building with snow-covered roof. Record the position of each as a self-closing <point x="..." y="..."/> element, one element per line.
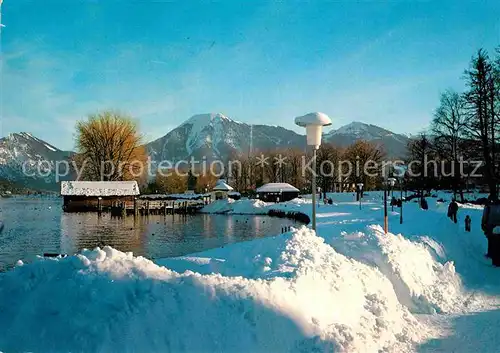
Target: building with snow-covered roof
<point x="277" y="192"/>
<point x="222" y="189"/>
<point x="97" y="195"/>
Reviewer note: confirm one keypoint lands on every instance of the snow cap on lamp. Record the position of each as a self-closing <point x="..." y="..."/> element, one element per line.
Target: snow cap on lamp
<point x="313" y="122"/>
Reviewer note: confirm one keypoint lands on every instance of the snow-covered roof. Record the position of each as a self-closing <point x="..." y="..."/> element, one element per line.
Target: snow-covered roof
<point x="174" y="196"/>
<point x="222" y="186"/>
<point x="99" y="188"/>
<point x="277" y="187"/>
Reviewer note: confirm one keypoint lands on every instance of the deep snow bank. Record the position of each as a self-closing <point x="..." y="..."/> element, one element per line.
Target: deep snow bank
<point x="293" y="209"/>
<point x="298" y="295"/>
<point x="256" y="207"/>
<point x="423" y="280"/>
<point x="245" y="206"/>
<point x="430" y="283"/>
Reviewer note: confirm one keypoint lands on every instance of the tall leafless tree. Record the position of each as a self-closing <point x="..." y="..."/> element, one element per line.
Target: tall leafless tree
<point x="448" y="128"/>
<point x="482" y="103"/>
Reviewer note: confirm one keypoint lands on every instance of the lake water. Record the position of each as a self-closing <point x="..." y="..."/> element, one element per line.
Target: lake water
<point x="35" y="225"/>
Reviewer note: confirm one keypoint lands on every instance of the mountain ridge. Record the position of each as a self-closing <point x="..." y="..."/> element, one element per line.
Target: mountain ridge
<point x="212" y="136"/>
<point x="29" y="161"/>
<point x="216" y="136"/>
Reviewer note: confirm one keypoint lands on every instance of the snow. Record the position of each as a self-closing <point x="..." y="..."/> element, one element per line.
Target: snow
<point x="99" y="188"/>
<point x="355" y="127"/>
<point x="308" y="298"/>
<point x="255" y="206"/>
<point x="198" y="124"/>
<point x="423" y="287"/>
<point x="222" y="186"/>
<point x="365" y="131"/>
<point x="277" y="187"/>
<point x="316" y="118"/>
<point x="50" y="147"/>
<point x="174" y="196"/>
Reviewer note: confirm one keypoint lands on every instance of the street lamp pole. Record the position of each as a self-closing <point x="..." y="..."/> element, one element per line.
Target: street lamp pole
<point x="313" y="122"/>
<point x="386" y="225"/>
<point x="389" y="183"/>
<point x="360" y="191"/>
<point x="401" y="211"/>
<point x="392" y="198"/>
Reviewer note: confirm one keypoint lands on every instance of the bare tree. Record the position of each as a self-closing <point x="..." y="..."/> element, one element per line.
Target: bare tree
<point x="420" y="161"/>
<point x="328" y="157"/>
<point x="482" y="101"/>
<point x="109" y="148"/>
<point x="365" y="159"/>
<point x="449" y="127"/>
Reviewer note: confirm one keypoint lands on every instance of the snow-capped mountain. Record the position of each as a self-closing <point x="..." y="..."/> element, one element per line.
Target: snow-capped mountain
<point x="394" y="144"/>
<point x="29" y="161"/>
<point x="216" y="136"/>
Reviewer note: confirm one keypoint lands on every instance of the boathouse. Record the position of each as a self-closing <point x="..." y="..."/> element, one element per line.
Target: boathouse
<point x="222" y="190"/>
<point x="82" y="196"/>
<point x="277" y="192"/>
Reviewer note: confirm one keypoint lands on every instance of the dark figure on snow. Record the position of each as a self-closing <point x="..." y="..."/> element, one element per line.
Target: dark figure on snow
<point x="453" y="210"/>
<point x="467" y="223"/>
<point x="490" y="224"/>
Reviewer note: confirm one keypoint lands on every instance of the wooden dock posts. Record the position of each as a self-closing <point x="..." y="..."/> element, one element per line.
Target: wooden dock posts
<point x="158" y="207"/>
<point x="123" y="198"/>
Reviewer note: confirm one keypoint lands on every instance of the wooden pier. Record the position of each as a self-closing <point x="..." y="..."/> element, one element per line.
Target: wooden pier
<point x="157" y="207"/>
<point x="161" y="207"/>
<point x="122" y="198"/>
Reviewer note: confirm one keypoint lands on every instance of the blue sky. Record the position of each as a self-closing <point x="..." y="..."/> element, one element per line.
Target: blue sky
<point x="380" y="62"/>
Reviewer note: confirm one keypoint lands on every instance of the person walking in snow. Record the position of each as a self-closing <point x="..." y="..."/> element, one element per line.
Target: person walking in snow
<point x="490" y="224"/>
<point x="454" y="210"/>
<point x="467" y="223"/>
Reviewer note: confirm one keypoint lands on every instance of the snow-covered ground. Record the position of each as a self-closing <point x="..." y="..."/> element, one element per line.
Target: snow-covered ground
<point x="424" y="287"/>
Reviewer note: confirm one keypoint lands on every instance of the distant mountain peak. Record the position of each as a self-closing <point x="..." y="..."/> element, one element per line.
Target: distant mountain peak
<point x="394" y="144"/>
<point x="354" y="127"/>
<point x="23" y="158"/>
<point x="202" y="120"/>
<point x="28" y="138"/>
<point x="216" y="136"/>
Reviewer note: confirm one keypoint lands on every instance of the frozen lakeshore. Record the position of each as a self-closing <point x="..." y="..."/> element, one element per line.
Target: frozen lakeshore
<point x="425" y="287"/>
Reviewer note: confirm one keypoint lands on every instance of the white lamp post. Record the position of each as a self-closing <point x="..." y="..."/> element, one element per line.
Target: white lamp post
<point x="313" y="122"/>
<point x="360" y="190"/>
<point x="388" y="183"/>
<point x="392" y="182"/>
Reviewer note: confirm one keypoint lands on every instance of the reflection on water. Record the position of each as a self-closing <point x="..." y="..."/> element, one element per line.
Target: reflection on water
<point x="34" y="226"/>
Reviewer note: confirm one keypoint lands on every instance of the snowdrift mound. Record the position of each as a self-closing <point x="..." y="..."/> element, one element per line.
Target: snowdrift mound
<point x="245" y="206"/>
<point x="305" y="297"/>
<point x="430" y="283"/>
<point x="422" y="279"/>
<point x="256" y="207"/>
